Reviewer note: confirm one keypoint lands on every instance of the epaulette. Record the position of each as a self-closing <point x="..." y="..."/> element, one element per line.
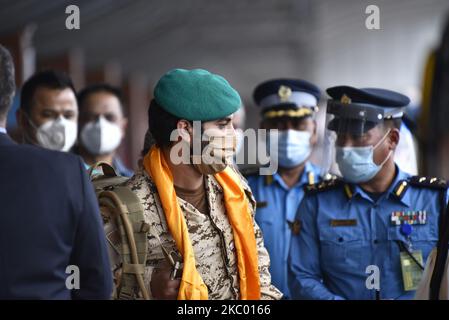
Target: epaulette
<point x="255" y="171"/>
<point x="249" y="171"/>
<point x="418" y="181"/>
<point x="426" y="182"/>
<point x="328" y="176"/>
<point x="324" y="185"/>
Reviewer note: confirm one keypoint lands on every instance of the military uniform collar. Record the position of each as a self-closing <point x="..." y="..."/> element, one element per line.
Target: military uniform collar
<point x="396" y="190"/>
<point x="307" y="177"/>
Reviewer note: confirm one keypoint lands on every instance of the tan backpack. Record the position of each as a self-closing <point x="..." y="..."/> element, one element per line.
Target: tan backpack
<point x="125" y="229"/>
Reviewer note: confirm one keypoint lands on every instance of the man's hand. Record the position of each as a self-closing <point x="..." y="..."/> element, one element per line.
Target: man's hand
<point x="162" y="287"/>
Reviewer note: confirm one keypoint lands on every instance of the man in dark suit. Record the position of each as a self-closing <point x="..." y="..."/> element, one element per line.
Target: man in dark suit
<point x="52" y="244"/>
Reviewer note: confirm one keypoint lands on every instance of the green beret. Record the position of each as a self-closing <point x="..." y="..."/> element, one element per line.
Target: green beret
<point x="196" y="95"/>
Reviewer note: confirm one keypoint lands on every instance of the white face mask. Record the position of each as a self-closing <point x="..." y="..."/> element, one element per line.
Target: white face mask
<point x="101" y="137"/>
<point x="59" y="134"/>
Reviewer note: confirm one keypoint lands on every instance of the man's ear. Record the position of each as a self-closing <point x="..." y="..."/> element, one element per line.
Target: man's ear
<point x="124" y="125"/>
<point x="314" y="137"/>
<point x="23" y="121"/>
<point x="25" y="128"/>
<point x="393" y="138"/>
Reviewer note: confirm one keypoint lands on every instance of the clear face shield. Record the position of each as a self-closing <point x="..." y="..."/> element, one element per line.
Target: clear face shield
<point x="346" y="120"/>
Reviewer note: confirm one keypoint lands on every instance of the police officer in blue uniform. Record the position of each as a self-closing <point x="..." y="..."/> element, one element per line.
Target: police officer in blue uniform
<point x="367" y="235"/>
<point x="289" y="106"/>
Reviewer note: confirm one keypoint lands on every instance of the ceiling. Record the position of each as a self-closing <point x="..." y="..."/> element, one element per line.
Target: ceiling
<point x="151" y="36"/>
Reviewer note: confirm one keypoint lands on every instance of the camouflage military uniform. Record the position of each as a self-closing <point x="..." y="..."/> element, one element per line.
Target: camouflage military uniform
<point x="211" y="237"/>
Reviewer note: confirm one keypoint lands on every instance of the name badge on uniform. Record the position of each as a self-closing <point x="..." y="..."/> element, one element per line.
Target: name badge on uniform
<point x="410" y="217"/>
<point x="411" y="271"/>
<point x="343" y="222"/>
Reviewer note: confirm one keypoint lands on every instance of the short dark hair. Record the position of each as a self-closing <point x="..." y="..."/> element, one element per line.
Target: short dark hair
<point x="7" y="82"/>
<point x="52" y="79"/>
<point x="96" y="88"/>
<point x="161" y="124"/>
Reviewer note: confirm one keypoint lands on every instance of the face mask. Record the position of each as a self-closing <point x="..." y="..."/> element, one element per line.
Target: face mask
<point x="356" y="164"/>
<point x="293" y="147"/>
<point x="216" y="154"/>
<point x="101" y="136"/>
<point x="59" y="134"/>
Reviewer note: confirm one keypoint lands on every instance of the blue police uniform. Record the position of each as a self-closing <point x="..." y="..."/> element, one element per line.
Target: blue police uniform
<point x="348" y="237"/>
<point x="119" y="167"/>
<point x="277" y="203"/>
<point x="343" y="231"/>
<point x="276" y="209"/>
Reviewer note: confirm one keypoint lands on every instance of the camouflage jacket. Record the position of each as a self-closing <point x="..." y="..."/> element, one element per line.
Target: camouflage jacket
<point x="211" y="236"/>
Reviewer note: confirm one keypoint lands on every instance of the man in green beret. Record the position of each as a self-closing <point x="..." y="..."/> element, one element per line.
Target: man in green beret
<point x="203" y="242"/>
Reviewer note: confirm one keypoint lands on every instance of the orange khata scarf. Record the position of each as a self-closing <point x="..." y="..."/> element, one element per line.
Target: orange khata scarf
<point x="192" y="286"/>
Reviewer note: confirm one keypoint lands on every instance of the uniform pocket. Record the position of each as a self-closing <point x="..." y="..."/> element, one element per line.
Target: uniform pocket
<point x="341" y="247"/>
<point x="264" y="216"/>
<point x="424" y="238"/>
<point x="425" y="232"/>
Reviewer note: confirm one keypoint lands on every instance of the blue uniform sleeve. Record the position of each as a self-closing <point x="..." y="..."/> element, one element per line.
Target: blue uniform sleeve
<point x="305" y="276"/>
<point x="90" y="253"/>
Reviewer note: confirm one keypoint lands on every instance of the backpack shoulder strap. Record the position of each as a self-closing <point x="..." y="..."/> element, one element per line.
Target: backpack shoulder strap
<point x="127" y="212"/>
<point x="103" y="176"/>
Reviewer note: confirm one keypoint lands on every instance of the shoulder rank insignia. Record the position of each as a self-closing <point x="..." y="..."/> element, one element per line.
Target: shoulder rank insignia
<point x="400" y="188"/>
<point x="323" y="186"/>
<point x="311" y="177"/>
<point x="329" y="176"/>
<point x="418" y="181"/>
<point x="436" y="183"/>
<point x="410" y="217"/>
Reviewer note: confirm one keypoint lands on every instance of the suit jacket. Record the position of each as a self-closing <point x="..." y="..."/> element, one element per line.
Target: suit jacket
<point x="51" y="230"/>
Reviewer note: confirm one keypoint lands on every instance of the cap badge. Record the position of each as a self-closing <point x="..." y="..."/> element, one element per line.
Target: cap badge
<point x="285" y="93"/>
<point x="345" y="99"/>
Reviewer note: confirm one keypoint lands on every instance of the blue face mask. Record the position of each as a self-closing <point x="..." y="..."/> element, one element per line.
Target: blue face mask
<point x="356" y="164"/>
<point x="293" y="147"/>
